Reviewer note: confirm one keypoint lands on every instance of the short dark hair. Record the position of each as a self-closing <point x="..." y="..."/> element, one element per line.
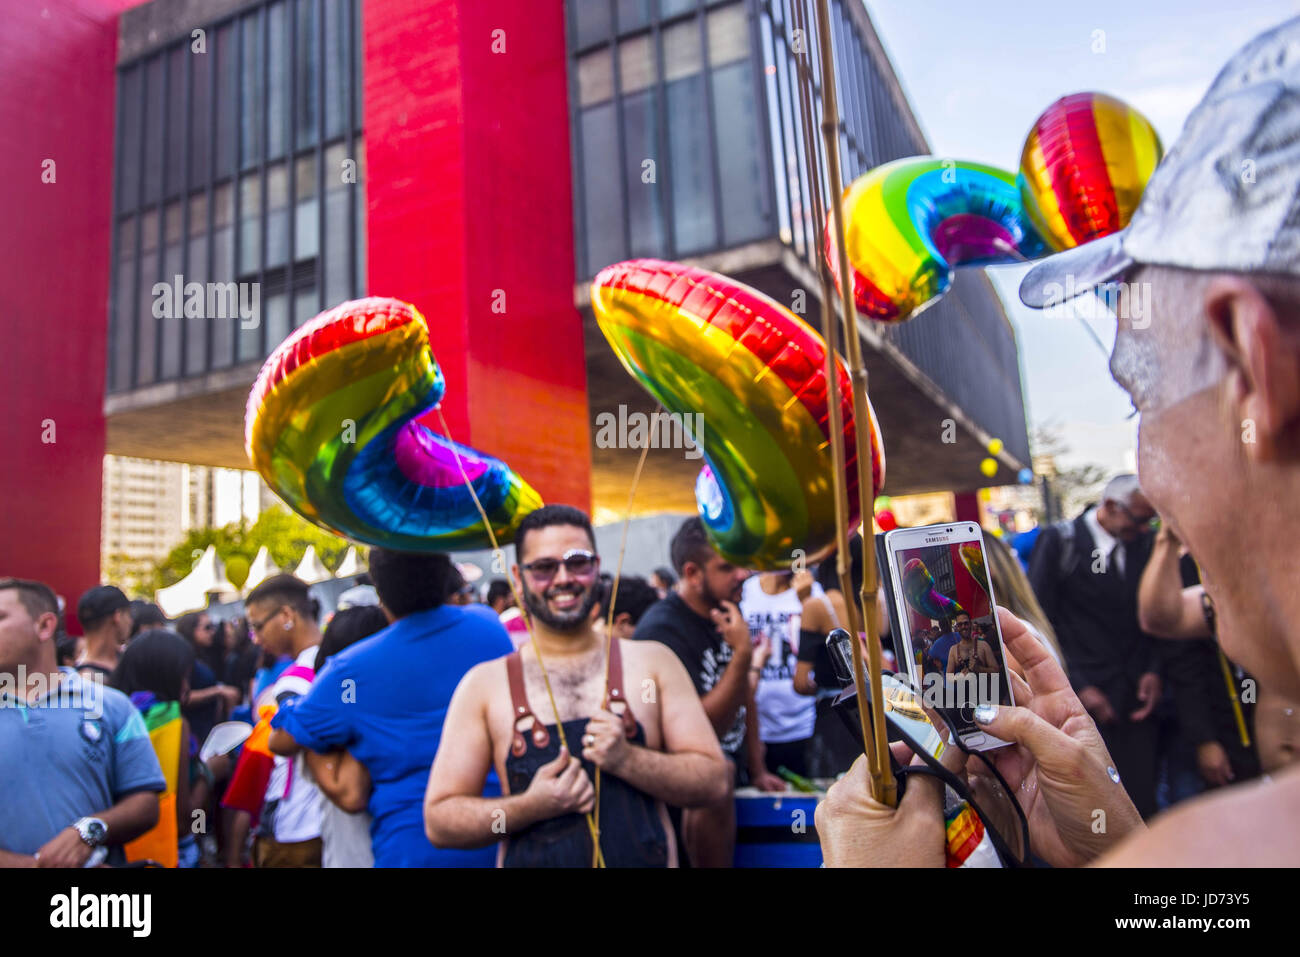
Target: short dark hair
<point x="498" y="588"/>
<point x="37" y="597"/>
<point x="958" y="613"/>
<point x="144" y="615"/>
<point x="347" y="627"/>
<point x="634" y="596"/>
<point x="289" y="590"/>
<point x="690" y="544"/>
<point x="98" y="604"/>
<point x="410" y="582"/>
<point x="159" y="661"/>
<point x="547" y="516"/>
<point x="666" y="576"/>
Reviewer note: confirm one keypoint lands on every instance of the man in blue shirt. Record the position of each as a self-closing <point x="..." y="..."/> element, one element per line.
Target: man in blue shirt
<point x="938" y="654"/>
<point x="384" y="700"/>
<point x="77" y="767"/>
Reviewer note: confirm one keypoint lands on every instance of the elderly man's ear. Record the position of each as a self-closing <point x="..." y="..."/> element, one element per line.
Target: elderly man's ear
<point x="1263" y="354"/>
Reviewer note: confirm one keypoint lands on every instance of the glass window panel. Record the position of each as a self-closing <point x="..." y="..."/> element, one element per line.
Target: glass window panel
<point x="277" y="92"/>
<point x="633" y="14"/>
<point x="251" y="90"/>
<point x="595" y="77"/>
<point x="636" y="64"/>
<point x="682" y="53"/>
<point x="275" y="316"/>
<point x="153" y="114"/>
<point x="124" y="306"/>
<point x="688" y="171"/>
<point x="358" y="194"/>
<point x="227" y="112"/>
<point x="670" y="8"/>
<point x="304" y="304"/>
<point x="334" y="273"/>
<point x="223" y="269"/>
<point x="603" y="226"/>
<point x="728" y="35"/>
<point x="173" y="264"/>
<point x="306" y="217"/>
<point x="249" y="340"/>
<point x="196" y="330"/>
<point x="336" y="67"/>
<point x="150" y="270"/>
<point x="176" y="118"/>
<point x="200" y="117"/>
<point x="774" y="133"/>
<point x="307" y="93"/>
<point x="792" y="155"/>
<point x="277" y="219"/>
<point x="128" y="157"/>
<point x="358" y="64"/>
<point x="250" y="227"/>
<point x="592" y="21"/>
<point x="645" y="200"/>
<point x="198" y="214"/>
<point x="743" y="203"/>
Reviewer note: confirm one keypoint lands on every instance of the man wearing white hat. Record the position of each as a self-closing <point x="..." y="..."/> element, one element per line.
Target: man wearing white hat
<point x="1212" y="363"/>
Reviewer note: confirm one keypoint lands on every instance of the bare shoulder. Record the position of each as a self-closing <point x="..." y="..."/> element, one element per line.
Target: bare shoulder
<point x="1248" y="825"/>
<point x="650" y="657"/>
<point x="480" y="681"/>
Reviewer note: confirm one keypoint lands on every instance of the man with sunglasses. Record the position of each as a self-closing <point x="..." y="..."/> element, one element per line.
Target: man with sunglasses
<point x="627" y="708"/>
<point x="1086" y="574"/>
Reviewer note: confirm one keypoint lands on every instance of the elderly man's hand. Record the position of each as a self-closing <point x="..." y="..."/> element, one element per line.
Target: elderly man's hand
<point x="858" y="831"/>
<point x="1058" y="765"/>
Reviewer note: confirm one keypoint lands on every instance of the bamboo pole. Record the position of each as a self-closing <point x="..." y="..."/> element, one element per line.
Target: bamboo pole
<point x="883" y="786"/>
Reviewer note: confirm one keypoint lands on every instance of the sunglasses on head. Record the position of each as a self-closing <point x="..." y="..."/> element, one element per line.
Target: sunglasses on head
<point x="578" y="562"/>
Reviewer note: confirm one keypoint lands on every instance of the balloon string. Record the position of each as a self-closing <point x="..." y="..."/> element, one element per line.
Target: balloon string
<point x="613" y="596"/>
<point x="598" y="858"/>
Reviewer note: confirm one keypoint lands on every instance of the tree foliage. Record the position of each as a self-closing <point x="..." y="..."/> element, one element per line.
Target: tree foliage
<point x="285" y="535"/>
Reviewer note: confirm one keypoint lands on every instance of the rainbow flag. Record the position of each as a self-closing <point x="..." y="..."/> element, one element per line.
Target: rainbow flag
<point x="162" y="719"/>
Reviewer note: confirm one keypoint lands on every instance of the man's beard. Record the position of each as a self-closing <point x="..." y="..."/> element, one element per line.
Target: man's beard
<point x="572" y="620"/>
<point x="715" y="601"/>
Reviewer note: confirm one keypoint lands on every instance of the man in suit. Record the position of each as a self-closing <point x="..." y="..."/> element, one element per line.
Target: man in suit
<point x="1086" y="575"/>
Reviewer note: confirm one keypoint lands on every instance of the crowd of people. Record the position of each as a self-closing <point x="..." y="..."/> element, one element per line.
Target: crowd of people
<point x="564" y="718"/>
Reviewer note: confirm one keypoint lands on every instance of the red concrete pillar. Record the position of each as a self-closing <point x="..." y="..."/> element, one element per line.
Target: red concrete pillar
<point x="56" y="172"/>
<point x="470" y="217"/>
<point x="966" y="506"/>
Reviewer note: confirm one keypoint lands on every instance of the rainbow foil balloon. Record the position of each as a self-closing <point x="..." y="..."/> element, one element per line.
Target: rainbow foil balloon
<point x="702" y="343"/>
<point x="1084" y="166"/>
<point x="331" y="427"/>
<point x="910" y="223"/>
<point x="923" y="596"/>
<point x="972" y="556"/>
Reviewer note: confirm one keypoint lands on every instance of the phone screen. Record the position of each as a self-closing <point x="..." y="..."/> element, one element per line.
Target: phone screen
<point x="947" y="620"/>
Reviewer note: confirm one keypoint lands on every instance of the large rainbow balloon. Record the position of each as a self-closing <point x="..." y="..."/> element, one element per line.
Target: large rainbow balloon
<point x="702" y="343"/>
<point x="910" y="223"/>
<point x="1084" y="166"/>
<point x="331" y="427"/>
<point x="923" y="596"/>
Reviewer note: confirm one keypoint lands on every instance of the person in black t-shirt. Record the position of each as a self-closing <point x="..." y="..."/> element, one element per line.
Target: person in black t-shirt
<point x="700" y="622"/>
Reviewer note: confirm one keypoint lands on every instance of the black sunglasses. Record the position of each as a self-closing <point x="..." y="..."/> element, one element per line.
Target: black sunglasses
<point x="578" y="562"/>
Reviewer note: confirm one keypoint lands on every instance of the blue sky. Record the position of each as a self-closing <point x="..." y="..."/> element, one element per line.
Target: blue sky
<point x="977" y="75"/>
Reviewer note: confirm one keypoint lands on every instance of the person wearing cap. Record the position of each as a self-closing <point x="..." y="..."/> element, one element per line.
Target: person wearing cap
<point x="105" y="616"/>
<point x="1206" y="283"/>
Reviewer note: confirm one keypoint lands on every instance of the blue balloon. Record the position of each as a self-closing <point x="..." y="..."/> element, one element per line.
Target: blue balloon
<point x="1025" y="476"/>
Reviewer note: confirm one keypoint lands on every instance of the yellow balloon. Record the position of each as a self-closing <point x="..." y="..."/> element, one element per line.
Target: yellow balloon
<point x="989" y="467"/>
<point x="995" y="446"/>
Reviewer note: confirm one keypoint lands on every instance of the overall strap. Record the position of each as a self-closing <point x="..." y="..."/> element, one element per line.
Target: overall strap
<point x="614" y="693"/>
<point x="519" y="709"/>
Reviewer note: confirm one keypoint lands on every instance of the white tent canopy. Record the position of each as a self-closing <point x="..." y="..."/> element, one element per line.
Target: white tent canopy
<point x="191" y="592"/>
<point x="352" y="565"/>
<point x="261" y="569"/>
<point x="311" y="569"/>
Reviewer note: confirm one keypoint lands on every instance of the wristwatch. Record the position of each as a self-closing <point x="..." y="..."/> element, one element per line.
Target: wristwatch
<point x="92" y="830"/>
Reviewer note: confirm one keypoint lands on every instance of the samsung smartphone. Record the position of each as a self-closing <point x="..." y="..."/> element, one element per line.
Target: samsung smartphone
<point x="945" y="613"/>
